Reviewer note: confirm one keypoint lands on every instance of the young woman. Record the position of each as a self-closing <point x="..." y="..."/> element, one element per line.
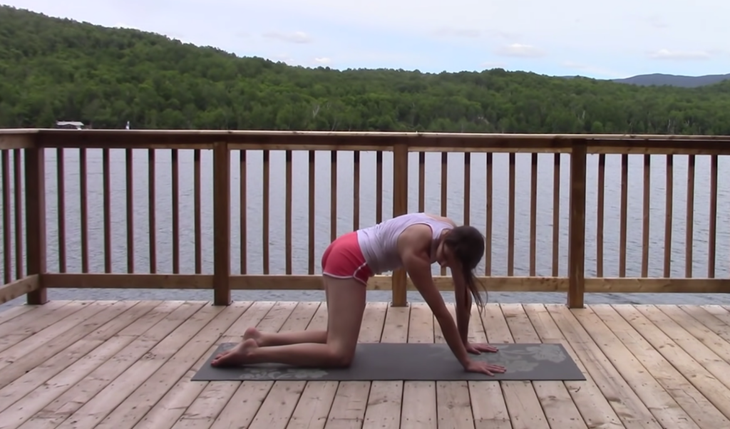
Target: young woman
<point x="411" y="241"/>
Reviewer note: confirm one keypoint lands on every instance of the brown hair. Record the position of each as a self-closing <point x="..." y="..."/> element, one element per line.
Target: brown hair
<point x="467" y="245"/>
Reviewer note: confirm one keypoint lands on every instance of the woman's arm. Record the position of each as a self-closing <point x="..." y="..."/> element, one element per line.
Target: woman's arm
<point x="463" y="304"/>
<point x="418" y="268"/>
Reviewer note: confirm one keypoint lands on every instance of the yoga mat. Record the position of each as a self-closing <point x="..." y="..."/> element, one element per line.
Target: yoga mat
<point x="412" y="361"/>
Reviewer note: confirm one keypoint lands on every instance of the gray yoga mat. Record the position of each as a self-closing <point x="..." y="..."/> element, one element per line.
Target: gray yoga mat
<point x="412" y="361"/>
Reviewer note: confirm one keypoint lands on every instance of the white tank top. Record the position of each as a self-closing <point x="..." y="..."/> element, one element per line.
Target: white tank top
<point x="379" y="243"/>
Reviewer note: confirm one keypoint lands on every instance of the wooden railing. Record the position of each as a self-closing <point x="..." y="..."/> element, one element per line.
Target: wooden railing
<point x="37" y="233"/>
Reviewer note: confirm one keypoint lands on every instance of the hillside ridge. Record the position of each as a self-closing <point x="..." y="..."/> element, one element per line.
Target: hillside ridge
<point x="55" y="69"/>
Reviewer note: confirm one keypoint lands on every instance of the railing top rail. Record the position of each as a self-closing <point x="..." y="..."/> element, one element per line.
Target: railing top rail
<point x="358" y="140"/>
<point x="371" y="134"/>
<point x="7" y="131"/>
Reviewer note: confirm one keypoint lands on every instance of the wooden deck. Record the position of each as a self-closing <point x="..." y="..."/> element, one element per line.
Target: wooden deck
<point x="127" y="364"/>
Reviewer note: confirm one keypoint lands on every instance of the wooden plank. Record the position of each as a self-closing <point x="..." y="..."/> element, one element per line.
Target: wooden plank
<point x="165" y="310"/>
<point x="90" y="400"/>
<point x="19" y="287"/>
<point x="301" y="316"/>
<point x="557" y="405"/>
<point x="694" y="347"/>
<point x="29" y="322"/>
<point x="577" y="226"/>
<point x="386" y="397"/>
<point x="594" y="407"/>
<point x="54" y="387"/>
<point x="20" y="140"/>
<point x="348" y="144"/>
<point x="487" y="400"/>
<point x="709" y="320"/>
<point x="169" y="368"/>
<point x="11" y="312"/>
<point x="247" y="399"/>
<point x="719" y="312"/>
<point x="704" y="334"/>
<point x="687" y="396"/>
<point x="660" y="403"/>
<point x="35" y="223"/>
<point x="627" y="404"/>
<point x="419" y="397"/>
<point x="713" y="388"/>
<point x="348" y="407"/>
<point x="519" y="396"/>
<point x="24" y="325"/>
<point x="400" y="207"/>
<point x="176" y="401"/>
<point x="279" y="403"/>
<point x="215" y="396"/>
<point x="316" y="400"/>
<point x="278" y="406"/>
<point x="36" y="375"/>
<point x="453" y="406"/>
<point x="351" y="400"/>
<point x="222" y="224"/>
<point x="127" y="281"/>
<point x="57" y="351"/>
<point x="396" y="325"/>
<point x="20" y="357"/>
<point x="377" y="140"/>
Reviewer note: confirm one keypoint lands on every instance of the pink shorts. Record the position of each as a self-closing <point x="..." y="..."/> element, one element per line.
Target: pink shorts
<point x="343" y="259"/>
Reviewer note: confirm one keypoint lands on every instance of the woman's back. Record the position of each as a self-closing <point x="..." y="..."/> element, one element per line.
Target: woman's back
<point x="379" y="243"/>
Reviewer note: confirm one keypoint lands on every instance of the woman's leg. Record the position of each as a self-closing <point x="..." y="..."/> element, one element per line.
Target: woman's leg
<point x="268" y="339"/>
<point x="346" y="304"/>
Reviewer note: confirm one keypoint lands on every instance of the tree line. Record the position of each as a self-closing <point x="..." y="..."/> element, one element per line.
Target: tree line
<point x="57" y="69"/>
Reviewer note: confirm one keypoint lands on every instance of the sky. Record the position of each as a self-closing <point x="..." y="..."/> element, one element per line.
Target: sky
<point x="606" y="39"/>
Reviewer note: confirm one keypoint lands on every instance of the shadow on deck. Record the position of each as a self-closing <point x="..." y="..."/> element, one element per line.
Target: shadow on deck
<point x="124" y="364"/>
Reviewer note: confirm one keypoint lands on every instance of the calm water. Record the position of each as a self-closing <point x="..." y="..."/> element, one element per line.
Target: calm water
<point x="254" y="208"/>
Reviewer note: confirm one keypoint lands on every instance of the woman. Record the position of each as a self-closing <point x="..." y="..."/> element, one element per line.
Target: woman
<point x="411" y="241"/>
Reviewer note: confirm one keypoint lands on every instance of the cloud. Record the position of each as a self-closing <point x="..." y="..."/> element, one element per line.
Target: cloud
<point x="666" y="54"/>
<point x="323" y="61"/>
<point x="520" y="50"/>
<point x="295" y="37"/>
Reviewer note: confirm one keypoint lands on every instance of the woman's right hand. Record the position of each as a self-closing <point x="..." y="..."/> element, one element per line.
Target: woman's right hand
<point x="483" y="367"/>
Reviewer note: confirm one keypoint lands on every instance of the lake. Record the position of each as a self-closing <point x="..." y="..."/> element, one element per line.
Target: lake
<point x="367" y="217"/>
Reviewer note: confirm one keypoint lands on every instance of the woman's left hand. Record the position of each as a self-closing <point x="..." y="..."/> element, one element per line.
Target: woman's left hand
<point x="477" y="349"/>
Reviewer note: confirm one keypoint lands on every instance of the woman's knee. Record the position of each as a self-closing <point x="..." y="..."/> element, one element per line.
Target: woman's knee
<point x="341" y="355"/>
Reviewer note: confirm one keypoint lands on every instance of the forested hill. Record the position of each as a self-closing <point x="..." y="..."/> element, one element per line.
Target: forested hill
<point x="53" y="69"/>
<point x="674" y="80"/>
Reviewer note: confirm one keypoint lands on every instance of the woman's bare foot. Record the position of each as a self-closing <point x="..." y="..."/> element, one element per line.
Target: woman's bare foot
<point x="237" y="355"/>
<point x="254" y="334"/>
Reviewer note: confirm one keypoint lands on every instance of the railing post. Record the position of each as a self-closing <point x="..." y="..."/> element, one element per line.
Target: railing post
<point x="576" y="241"/>
<point x="222" y="223"/>
<point x="400" y="206"/>
<point x="35" y="218"/>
